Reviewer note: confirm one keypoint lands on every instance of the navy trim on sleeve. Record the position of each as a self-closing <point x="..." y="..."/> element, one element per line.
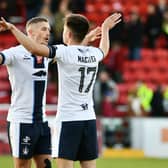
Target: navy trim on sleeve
<point x="102" y="52"/>
<point x="52" y="51"/>
<point x="3" y="58"/>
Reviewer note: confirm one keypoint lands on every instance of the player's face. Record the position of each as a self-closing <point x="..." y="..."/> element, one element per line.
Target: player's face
<point x="41" y="32"/>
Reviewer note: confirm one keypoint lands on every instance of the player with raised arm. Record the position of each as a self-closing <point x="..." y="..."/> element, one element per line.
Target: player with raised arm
<point x="75" y="125"/>
<point x="29" y="134"/>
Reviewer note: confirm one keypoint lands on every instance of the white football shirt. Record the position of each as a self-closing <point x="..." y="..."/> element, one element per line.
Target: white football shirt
<point x="28" y="79"/>
<point x="77" y="69"/>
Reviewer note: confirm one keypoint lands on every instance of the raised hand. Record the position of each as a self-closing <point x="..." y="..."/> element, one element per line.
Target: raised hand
<point x="4" y="25"/>
<point x="112" y="20"/>
<point x="94" y="34"/>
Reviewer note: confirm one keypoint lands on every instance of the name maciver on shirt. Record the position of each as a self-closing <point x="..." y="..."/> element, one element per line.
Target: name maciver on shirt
<point x="86" y="59"/>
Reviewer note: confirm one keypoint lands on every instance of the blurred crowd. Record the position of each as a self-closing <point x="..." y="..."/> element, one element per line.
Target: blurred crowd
<point x="135" y="31"/>
<point x="142" y="100"/>
<point x="54" y="10"/>
<point x="127" y="39"/>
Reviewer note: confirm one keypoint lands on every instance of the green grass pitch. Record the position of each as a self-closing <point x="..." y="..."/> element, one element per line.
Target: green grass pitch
<point x="6" y="162"/>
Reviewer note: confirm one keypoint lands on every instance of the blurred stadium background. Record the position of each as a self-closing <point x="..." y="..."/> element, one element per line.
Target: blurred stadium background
<point x="131" y="91"/>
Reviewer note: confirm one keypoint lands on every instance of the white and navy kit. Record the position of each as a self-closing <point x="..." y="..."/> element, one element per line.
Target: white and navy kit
<point x="77" y="68"/>
<point x="28" y="79"/>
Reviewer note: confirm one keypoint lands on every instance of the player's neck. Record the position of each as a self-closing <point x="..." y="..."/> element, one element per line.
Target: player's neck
<point x="74" y="43"/>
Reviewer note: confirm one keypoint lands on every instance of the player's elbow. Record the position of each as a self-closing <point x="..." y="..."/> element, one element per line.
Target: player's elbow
<point x="105" y="54"/>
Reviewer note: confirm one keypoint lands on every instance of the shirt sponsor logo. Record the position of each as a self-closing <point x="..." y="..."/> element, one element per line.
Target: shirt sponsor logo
<point x="26" y="57"/>
<point x="84" y="106"/>
<point x="40" y="73"/>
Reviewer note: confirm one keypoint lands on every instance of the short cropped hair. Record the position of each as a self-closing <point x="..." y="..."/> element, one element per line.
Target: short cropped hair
<point x="35" y="20"/>
<point x="78" y="24"/>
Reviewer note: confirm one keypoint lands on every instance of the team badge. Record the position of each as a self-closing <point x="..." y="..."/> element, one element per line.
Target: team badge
<point x="25" y="150"/>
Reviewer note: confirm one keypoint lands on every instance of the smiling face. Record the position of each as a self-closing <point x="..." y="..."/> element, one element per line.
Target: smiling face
<point x="39" y="31"/>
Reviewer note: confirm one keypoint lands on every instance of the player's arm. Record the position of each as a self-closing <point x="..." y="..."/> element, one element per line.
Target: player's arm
<point x="1" y="59"/>
<point x="28" y="43"/>
<point x="92" y="36"/>
<point x="108" y="23"/>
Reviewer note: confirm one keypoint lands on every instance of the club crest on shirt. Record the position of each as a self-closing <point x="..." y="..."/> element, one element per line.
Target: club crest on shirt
<point x="84" y="106"/>
<point x="25" y="150"/>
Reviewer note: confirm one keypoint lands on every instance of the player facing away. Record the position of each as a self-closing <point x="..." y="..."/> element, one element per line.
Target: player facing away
<point x="29" y="134"/>
<point x="75" y="136"/>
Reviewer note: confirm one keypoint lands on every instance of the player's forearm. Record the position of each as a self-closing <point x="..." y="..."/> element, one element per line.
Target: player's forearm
<point x="29" y="44"/>
<point x="92" y="36"/>
<point x="105" y="42"/>
<point x="1" y="59"/>
<point x="86" y="41"/>
<point x="108" y="24"/>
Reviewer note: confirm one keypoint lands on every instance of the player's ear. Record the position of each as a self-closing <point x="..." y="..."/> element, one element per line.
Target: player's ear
<point x="29" y="31"/>
<point x="70" y="34"/>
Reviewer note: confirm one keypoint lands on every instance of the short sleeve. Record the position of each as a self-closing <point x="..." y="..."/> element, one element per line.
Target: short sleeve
<point x="7" y="56"/>
<point x="99" y="54"/>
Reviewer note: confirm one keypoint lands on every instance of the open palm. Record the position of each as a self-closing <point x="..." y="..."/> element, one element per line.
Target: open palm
<point x="112" y="20"/>
<point x="4" y="25"/>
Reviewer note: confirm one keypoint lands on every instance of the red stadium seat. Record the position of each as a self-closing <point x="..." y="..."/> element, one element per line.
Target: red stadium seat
<point x="5" y="98"/>
<point x="161" y="54"/>
<point x="52" y="93"/>
<point x="51" y="99"/>
<point x="162" y="65"/>
<point x="123" y="88"/>
<point x="155" y="77"/>
<point x="5" y="86"/>
<point x="50" y="113"/>
<point x="132" y="66"/>
<point x="147" y="53"/>
<point x="141" y="75"/>
<point x="7" y="40"/>
<point x="3" y="73"/>
<point x="128" y="77"/>
<point x="148" y="65"/>
<point x="90" y="8"/>
<point x="123" y="99"/>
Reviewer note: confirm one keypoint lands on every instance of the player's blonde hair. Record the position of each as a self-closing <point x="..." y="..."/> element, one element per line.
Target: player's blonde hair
<point x="35" y="20"/>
